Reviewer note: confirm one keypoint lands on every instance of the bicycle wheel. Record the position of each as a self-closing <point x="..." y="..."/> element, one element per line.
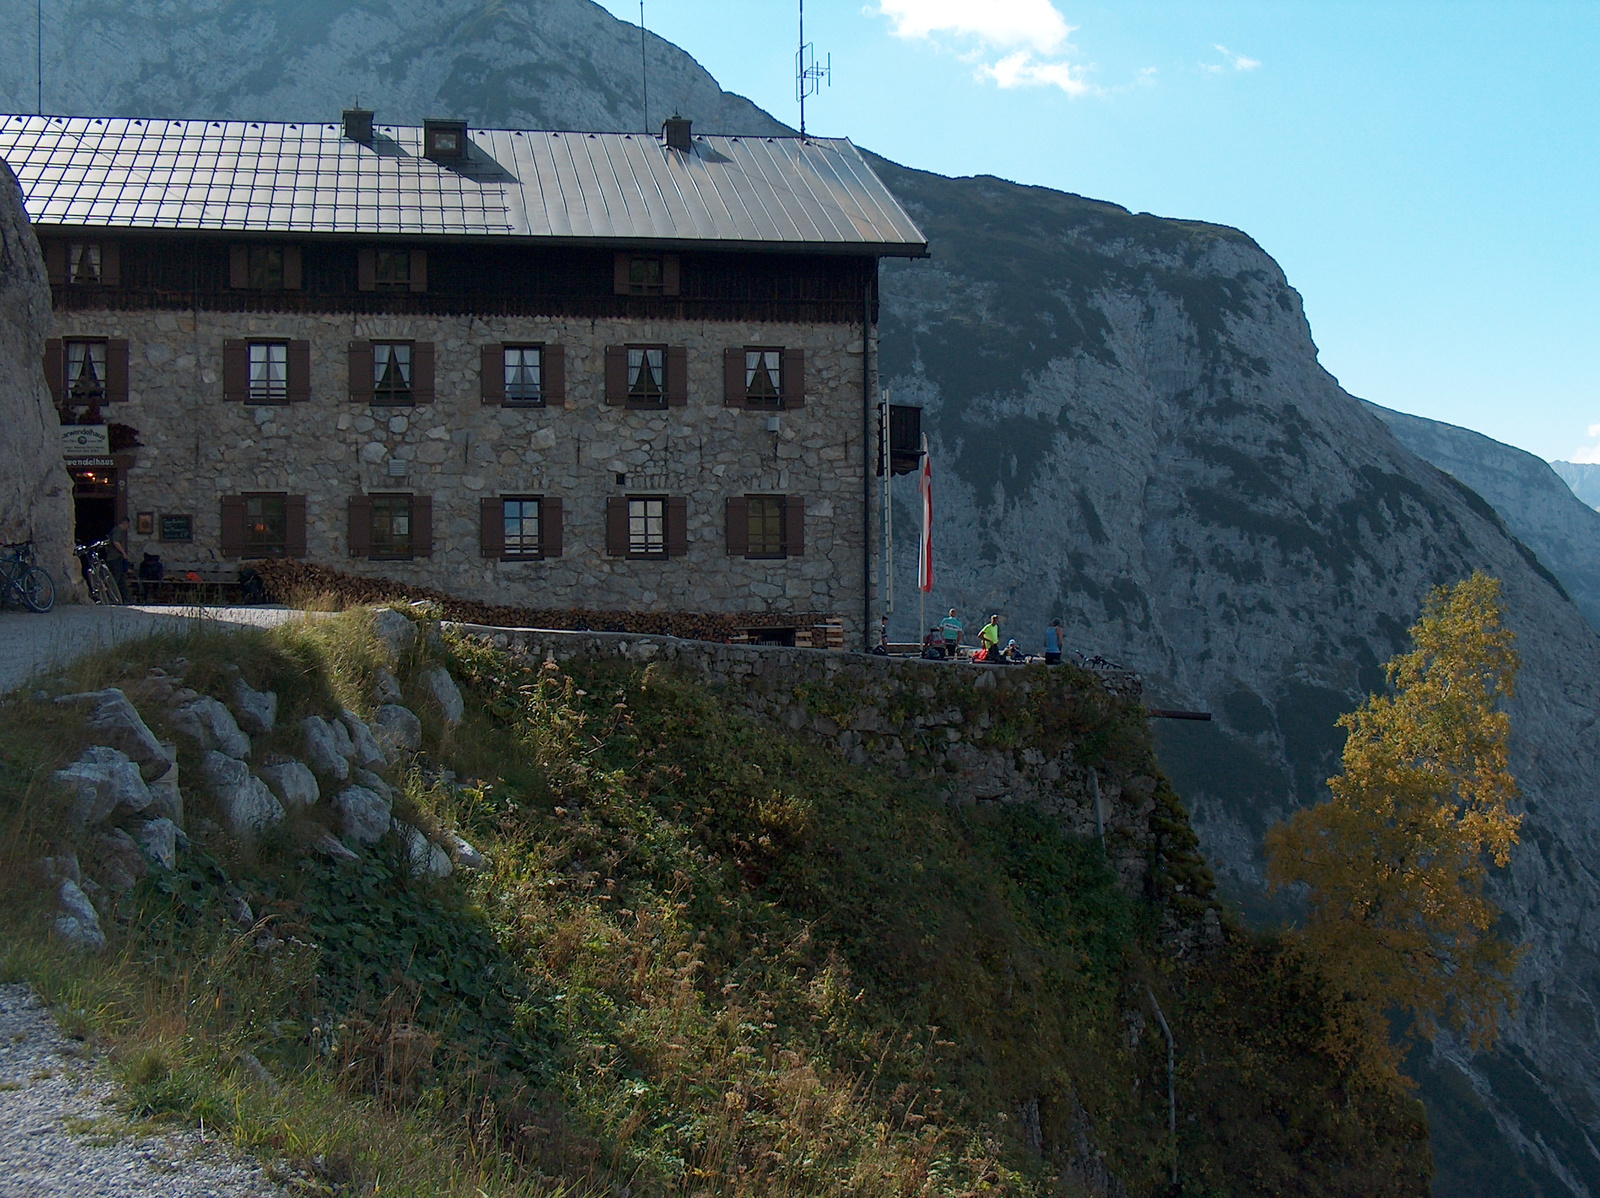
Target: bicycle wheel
<point x="105" y="586"/>
<point x="38" y="589"/>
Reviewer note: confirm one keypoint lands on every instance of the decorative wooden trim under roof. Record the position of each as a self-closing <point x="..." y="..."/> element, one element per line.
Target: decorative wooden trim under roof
<point x="789" y="194"/>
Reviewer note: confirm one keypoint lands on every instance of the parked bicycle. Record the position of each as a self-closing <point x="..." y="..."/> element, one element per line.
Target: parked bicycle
<point x="23" y="582"/>
<point x="97" y="575"/>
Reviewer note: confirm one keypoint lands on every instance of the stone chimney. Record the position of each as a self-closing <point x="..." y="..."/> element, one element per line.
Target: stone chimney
<point x="675" y="129"/>
<point x="358" y="125"/>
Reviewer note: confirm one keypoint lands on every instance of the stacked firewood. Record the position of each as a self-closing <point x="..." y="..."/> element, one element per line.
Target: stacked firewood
<point x="300" y="584"/>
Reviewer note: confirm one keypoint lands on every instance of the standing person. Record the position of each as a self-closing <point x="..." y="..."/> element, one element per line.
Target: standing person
<point x="950" y="626"/>
<point x="117" y="555"/>
<point x="1052" y="644"/>
<point x="989" y="637"/>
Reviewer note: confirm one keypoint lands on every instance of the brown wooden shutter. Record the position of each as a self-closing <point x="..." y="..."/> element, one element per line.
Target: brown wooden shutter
<point x="360" y="531"/>
<point x="299" y="371"/>
<point x="616" y="374"/>
<point x="617" y="525"/>
<point x="117" y="370"/>
<point x="619" y="273"/>
<point x="238" y="266"/>
<point x="232" y="526"/>
<point x="294" y="526"/>
<point x="293" y="274"/>
<point x="677" y="526"/>
<point x="419" y="270"/>
<point x="55" y="262"/>
<point x="671" y="275"/>
<point x="422" y="526"/>
<point x="54" y="369"/>
<point x="361" y="371"/>
<point x="422" y="372"/>
<point x="110" y="264"/>
<point x="366" y="269"/>
<point x="550" y="521"/>
<point x="794" y="526"/>
<point x="734" y="392"/>
<point x="794" y="378"/>
<point x="677" y="376"/>
<point x="553" y="375"/>
<point x="491" y="527"/>
<point x="738" y="526"/>
<point x="236" y="370"/>
<point x="492" y="373"/>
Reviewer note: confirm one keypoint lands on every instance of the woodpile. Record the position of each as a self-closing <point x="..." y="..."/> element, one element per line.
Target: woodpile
<point x="301" y="584"/>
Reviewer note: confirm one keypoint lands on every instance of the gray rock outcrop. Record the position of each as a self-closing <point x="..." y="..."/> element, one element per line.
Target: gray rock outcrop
<point x="159" y="840"/>
<point x="256" y="711"/>
<point x="386" y="688"/>
<point x="292" y="782"/>
<point x="364" y="747"/>
<point x="117" y="723"/>
<point x="398" y="728"/>
<point x="363" y="815"/>
<point x="122" y="862"/>
<point x="244" y="804"/>
<point x="443" y="690"/>
<point x="101" y="781"/>
<point x="424" y="859"/>
<point x="464" y="855"/>
<point x="212" y="725"/>
<point x="35" y="489"/>
<point x="327" y="747"/>
<point x="397" y="632"/>
<point x="78" y="923"/>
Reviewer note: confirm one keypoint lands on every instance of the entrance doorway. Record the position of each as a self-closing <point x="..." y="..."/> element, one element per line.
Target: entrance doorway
<point x="94" y="500"/>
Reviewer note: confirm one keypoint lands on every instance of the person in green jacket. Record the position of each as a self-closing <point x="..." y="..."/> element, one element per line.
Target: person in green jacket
<point x="989" y="636"/>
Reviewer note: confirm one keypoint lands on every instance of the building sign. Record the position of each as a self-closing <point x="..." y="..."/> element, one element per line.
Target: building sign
<point x="177" y="528"/>
<point x="84" y="440"/>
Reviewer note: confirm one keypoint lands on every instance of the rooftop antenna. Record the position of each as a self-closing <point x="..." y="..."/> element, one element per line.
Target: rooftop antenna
<point x="809" y="74"/>
<point x="644" y="76"/>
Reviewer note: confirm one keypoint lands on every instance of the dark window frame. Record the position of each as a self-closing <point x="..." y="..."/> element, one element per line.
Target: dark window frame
<point x="765" y="403"/>
<point x="269" y="398"/>
<point x="76" y="251"/>
<point x="70" y="391"/>
<point x="393" y="279"/>
<point x="254" y="545"/>
<point x="511" y="400"/>
<point x="655" y="549"/>
<point x="522" y="554"/>
<point x="771" y="512"/>
<point x="384" y="505"/>
<point x="394" y="396"/>
<point x="650" y="402"/>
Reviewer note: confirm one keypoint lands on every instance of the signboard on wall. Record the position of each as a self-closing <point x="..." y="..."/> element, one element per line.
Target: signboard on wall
<point x="84" y="440"/>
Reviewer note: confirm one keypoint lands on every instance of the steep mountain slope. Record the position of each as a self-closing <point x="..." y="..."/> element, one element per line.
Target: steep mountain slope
<point x="553" y="64"/>
<point x="1538" y="507"/>
<point x="1583" y="478"/>
<point x="1130" y="430"/>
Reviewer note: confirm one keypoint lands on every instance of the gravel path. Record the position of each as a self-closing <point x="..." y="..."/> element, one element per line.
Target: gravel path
<point x="30" y="643"/>
<point x="51" y="1087"/>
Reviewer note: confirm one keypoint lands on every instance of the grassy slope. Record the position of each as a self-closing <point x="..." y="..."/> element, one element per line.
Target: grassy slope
<point x="708" y="958"/>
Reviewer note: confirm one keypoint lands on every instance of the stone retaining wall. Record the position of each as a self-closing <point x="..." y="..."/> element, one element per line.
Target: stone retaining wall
<point x="987" y="734"/>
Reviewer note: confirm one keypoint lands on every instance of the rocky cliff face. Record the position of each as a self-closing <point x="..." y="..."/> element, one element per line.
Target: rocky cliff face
<point x="1583" y="478"/>
<point x="556" y="64"/>
<point x="1538" y="507"/>
<point x="35" y="490"/>
<point x="1131" y="431"/>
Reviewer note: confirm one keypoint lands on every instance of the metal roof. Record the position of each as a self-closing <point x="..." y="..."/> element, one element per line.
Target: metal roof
<point x="790" y="193"/>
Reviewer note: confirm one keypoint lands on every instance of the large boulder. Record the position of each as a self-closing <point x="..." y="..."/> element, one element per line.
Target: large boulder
<point x="116" y="722"/>
<point x="327" y="747"/>
<point x="399" y="728"/>
<point x="363" y="814"/>
<point x="438" y="683"/>
<point x="213" y="725"/>
<point x="397" y="632"/>
<point x="244" y="804"/>
<point x="77" y="922"/>
<point x="121" y="861"/>
<point x="159" y="840"/>
<point x="256" y="711"/>
<point x="292" y="782"/>
<point x="365" y="748"/>
<point x="102" y="781"/>
<point x="35" y="489"/>
<point x="424" y="859"/>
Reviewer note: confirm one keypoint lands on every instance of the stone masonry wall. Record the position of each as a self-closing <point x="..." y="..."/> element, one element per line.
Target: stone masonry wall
<point x="196" y="447"/>
<point x="983" y="732"/>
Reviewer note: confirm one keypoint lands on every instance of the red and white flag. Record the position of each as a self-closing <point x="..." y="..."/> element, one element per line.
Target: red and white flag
<point x="925" y="549"/>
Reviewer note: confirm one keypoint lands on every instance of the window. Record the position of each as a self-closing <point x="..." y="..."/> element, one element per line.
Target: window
<point x="520" y="522"/>
<point x="265" y="525"/>
<point x="391" y="526"/>
<point x="391" y="372"/>
<point x="392" y="270"/>
<point x="647" y="376"/>
<point x="266" y="267"/>
<point x="647" y="526"/>
<point x="522" y="374"/>
<point x="764" y="526"/>
<point x="86" y="371"/>
<point x="269" y="372"/>
<point x="763" y="378"/>
<point x="444" y="140"/>
<point x="644" y="276"/>
<point x="83" y="262"/>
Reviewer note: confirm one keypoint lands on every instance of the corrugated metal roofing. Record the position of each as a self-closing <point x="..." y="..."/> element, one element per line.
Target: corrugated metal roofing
<point x="255" y="176"/>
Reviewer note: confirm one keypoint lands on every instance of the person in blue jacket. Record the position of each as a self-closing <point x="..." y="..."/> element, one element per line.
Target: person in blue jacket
<point x="1052" y="644"/>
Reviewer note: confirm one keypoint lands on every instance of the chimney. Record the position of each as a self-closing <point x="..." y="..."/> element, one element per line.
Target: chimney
<point x="358" y="125"/>
<point x="676" y="131"/>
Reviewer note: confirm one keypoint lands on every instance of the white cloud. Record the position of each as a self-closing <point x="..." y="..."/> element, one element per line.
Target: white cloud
<point x="1238" y="61"/>
<point x="1015" y="43"/>
<point x="1589" y="453"/>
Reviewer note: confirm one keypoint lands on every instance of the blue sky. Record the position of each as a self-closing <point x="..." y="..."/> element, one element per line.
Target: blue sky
<point x="1427" y="174"/>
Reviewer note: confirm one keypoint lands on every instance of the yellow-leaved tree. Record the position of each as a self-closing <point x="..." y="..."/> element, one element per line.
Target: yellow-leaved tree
<point x="1394" y="864"/>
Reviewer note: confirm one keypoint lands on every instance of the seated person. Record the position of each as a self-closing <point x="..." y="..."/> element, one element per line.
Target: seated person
<point x="1013" y="654"/>
<point x="933" y="646"/>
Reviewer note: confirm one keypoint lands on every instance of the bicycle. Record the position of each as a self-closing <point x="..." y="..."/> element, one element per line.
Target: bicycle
<point x="25" y="582"/>
<point x="97" y="575"/>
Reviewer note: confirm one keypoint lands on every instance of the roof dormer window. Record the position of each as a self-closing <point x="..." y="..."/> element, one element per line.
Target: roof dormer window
<point x="444" y="141"/>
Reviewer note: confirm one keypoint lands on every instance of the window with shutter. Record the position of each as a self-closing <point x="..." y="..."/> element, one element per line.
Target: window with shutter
<point x="522" y="373"/>
<point x="553" y="365"/>
<point x="392" y="270"/>
<point x="85" y="372"/>
<point x="422" y="526"/>
<point x="491" y="527"/>
<point x="550" y="527"/>
<point x="268" y="372"/>
<point x="235" y="371"/>
<point x="521" y="522"/>
<point x="299" y="371"/>
<point x="360" y="526"/>
<point x="738" y="526"/>
<point x="677" y="526"/>
<point x="647" y="525"/>
<point x="422" y="372"/>
<point x="794" y="526"/>
<point x="117" y="370"/>
<point x="794" y="378"/>
<point x="390" y="535"/>
<point x="293" y="276"/>
<point x="616" y="526"/>
<point x="677" y="376"/>
<point x="110" y="264"/>
<point x="233" y="524"/>
<point x="84" y="261"/>
<point x="294" y="526"/>
<point x="764" y="526"/>
<point x="391" y="372"/>
<point x="361" y="371"/>
<point x="266" y="525"/>
<point x="647" y="376"/>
